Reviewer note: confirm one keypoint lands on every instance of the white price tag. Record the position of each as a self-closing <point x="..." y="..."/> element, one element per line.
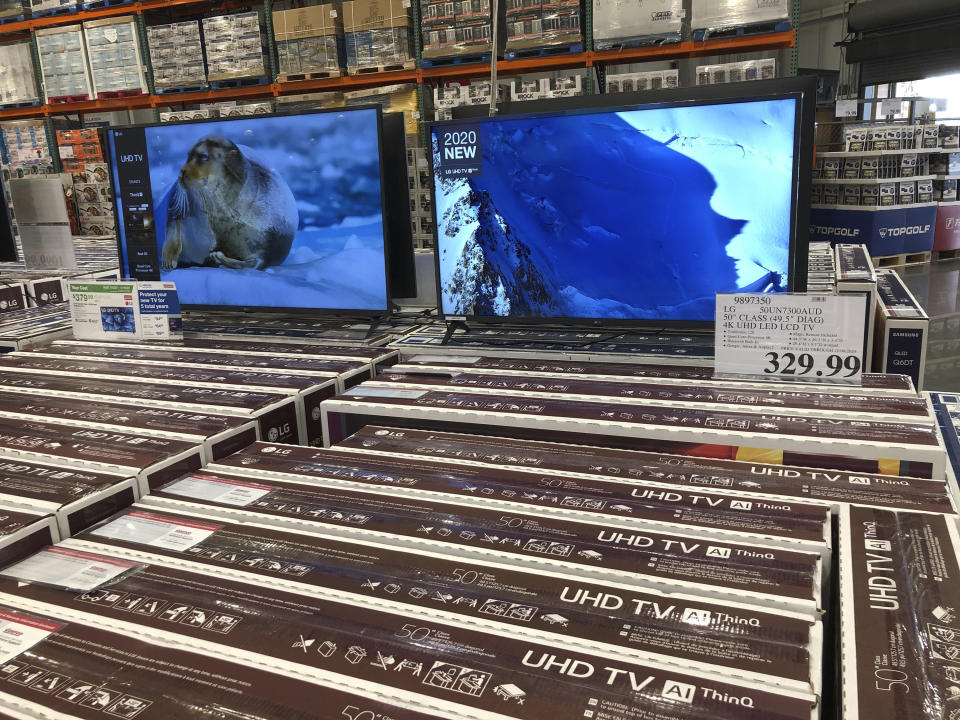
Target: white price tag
<point x="890" y="107"/>
<point x="333" y="13"/>
<point x="220" y="490"/>
<point x="146" y="529"/>
<point x="19" y="633"/>
<point x="847" y="108"/>
<point x="68" y="568"/>
<point x="810" y="338"/>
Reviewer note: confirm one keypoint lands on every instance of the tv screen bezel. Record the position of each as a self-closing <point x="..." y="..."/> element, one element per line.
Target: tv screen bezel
<point x="125" y="269"/>
<point x="802" y="89"/>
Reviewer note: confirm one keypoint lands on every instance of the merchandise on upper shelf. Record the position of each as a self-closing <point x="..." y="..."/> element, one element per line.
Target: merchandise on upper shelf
<point x="764" y="69"/>
<point x="18" y="83"/>
<point x="456" y="27"/>
<point x="309" y="40"/>
<point x="63" y="62"/>
<point x="234" y="46"/>
<point x="174" y="51"/>
<point x="652" y="80"/>
<point x="715" y="15"/>
<point x="379" y="34"/>
<point x="617" y="23"/>
<point x="533" y="25"/>
<point x="116" y="60"/>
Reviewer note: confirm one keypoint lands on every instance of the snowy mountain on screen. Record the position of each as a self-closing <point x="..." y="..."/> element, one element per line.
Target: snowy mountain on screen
<point x="627" y="229"/>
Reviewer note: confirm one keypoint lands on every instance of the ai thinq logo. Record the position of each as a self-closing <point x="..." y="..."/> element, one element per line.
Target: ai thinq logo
<point x="836" y="231"/>
<point x="901" y="231"/>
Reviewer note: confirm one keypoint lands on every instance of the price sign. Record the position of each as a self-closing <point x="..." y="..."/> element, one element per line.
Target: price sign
<point x="890" y="107"/>
<point x="846" y="108"/>
<point x="808" y="338"/>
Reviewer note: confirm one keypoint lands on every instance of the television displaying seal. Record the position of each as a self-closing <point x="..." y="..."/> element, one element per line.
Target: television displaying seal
<point x="272" y="211"/>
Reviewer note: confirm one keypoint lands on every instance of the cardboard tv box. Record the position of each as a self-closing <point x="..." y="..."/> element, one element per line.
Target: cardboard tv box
<point x="274" y="413"/>
<point x="24" y="531"/>
<point x="77" y="498"/>
<point x="562" y="468"/>
<point x="903" y="327"/>
<point x="307" y="391"/>
<point x="888" y="448"/>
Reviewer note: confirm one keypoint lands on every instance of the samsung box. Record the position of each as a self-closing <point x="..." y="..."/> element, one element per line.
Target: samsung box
<point x="902" y="329"/>
<point x="910" y="449"/>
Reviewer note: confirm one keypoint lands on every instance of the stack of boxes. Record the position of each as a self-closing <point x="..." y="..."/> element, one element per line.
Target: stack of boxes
<point x="618" y="23"/>
<point x="765" y="69"/>
<point x="26" y="148"/>
<point x="393" y="98"/>
<point x="176" y="53"/>
<point x="635" y="81"/>
<point x="82" y="156"/>
<point x="43" y="7"/>
<point x="421" y="197"/>
<point x="11" y="8"/>
<point x="115" y="57"/>
<point x="234" y="46"/>
<point x="456" y="27"/>
<point x="534" y="24"/>
<point x="946" y="166"/>
<point x="18" y="83"/>
<point x="63" y="62"/>
<point x="709" y="16"/>
<point x="379" y="34"/>
<point x="309" y="41"/>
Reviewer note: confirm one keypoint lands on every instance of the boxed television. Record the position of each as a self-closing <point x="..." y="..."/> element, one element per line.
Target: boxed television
<point x="234" y="46"/>
<point x="18" y="82"/>
<point x="175" y="49"/>
<point x="456" y="28"/>
<point x="722" y="14"/>
<point x="63" y="63"/>
<point x="568" y="465"/>
<point x="377" y="33"/>
<point x="116" y="58"/>
<point x="883" y="447"/>
<point x="275" y="413"/>
<point x="902" y="329"/>
<point x="219" y="615"/>
<point x="25" y="530"/>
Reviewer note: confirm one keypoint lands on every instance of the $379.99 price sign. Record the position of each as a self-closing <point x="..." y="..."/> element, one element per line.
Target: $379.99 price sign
<point x="811" y="338"/>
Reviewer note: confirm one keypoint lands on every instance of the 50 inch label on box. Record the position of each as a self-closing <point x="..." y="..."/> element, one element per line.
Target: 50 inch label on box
<point x="459" y="152"/>
<point x="809" y="338"/>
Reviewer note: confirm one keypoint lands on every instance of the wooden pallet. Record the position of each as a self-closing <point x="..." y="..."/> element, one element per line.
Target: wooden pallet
<point x="317" y="75"/>
<point x="368" y="69"/>
<point x="115" y="94"/>
<point x="64" y="99"/>
<point x="946" y="254"/>
<point x="917" y="258"/>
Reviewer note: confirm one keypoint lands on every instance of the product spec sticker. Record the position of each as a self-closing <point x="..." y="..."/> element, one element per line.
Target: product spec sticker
<point x="227" y="492"/>
<point x="363" y="391"/>
<point x="69" y="569"/>
<point x="811" y="338"/>
<point x="146" y="529"/>
<point x="445" y="359"/>
<point x="19" y="633"/>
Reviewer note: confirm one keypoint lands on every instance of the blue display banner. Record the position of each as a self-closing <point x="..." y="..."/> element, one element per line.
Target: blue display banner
<point x="884" y="231"/>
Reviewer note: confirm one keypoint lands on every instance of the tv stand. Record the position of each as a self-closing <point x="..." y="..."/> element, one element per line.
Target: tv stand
<point x="452" y="327"/>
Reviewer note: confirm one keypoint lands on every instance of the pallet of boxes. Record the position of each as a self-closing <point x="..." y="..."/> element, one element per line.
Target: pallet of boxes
<point x="379" y="36"/>
<point x="310" y="42"/>
<point x="82" y="156"/>
<point x="234" y="46"/>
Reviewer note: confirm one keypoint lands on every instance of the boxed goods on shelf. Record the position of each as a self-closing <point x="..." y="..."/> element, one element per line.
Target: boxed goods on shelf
<point x="533" y="26"/>
<point x="265" y="626"/>
<point x="13" y="297"/>
<point x="454" y="28"/>
<point x="617" y="23"/>
<point x="309" y="40"/>
<point x="77" y="497"/>
<point x="176" y="53"/>
<point x="633" y="470"/>
<point x="181" y="115"/>
<point x="116" y="59"/>
<point x="713" y="15"/>
<point x="234" y="46"/>
<point x="18" y="84"/>
<point x="379" y="33"/>
<point x="652" y="80"/>
<point x="49" y="6"/>
<point x="902" y="328"/>
<point x="763" y="69"/>
<point x="24" y="531"/>
<point x="393" y="98"/>
<point x="889" y="448"/>
<point x="11" y="8"/>
<point x="63" y="63"/>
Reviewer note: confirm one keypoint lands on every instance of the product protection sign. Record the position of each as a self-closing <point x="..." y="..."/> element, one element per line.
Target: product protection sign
<point x="459" y="152"/>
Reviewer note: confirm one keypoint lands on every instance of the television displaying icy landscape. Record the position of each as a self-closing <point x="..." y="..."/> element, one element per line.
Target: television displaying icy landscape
<point x="635" y="215"/>
<point x="271" y="211"/>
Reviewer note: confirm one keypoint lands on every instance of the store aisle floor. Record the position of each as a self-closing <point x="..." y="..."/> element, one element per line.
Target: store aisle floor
<point x="937" y="287"/>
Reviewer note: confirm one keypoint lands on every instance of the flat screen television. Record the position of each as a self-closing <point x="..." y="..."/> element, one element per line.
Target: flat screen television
<point x="278" y="212"/>
<point x="638" y="212"/>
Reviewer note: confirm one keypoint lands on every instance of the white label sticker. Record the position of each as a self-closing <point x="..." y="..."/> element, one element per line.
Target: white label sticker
<point x="367" y="391"/>
<point x="847" y="108"/>
<point x="68" y="568"/>
<point x="19" y="633"/>
<point x="812" y="338"/>
<point x="333" y="13"/>
<point x="219" y="490"/>
<point x="890" y="107"/>
<point x="446" y="359"/>
<point x="157" y="531"/>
